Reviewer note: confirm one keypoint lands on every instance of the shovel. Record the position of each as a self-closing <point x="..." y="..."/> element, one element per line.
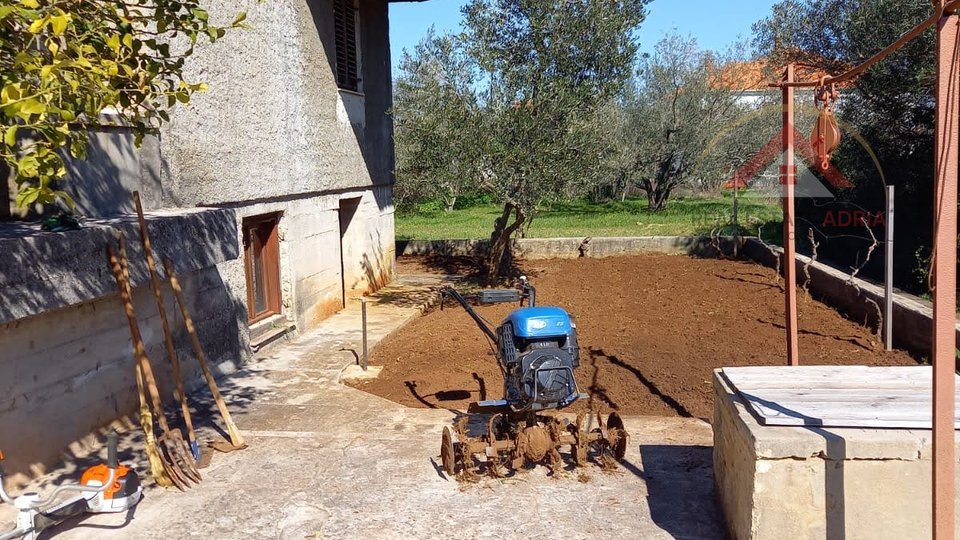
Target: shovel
<point x="174" y="452"/>
<point x="236" y="440"/>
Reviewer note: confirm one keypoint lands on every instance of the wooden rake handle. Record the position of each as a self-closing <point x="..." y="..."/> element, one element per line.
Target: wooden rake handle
<point x="119" y="268"/>
<point x="167" y="337"/>
<point x="139" y="350"/>
<point x="235" y="438"/>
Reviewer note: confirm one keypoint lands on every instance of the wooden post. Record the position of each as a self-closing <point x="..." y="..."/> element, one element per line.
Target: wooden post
<point x="944" y="270"/>
<point x="788" y="178"/>
<point x="888" y="275"/>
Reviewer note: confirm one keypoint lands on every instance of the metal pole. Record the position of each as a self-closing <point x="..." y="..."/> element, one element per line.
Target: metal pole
<point x="736" y="218"/>
<point x="888" y="275"/>
<point x="945" y="275"/>
<point x="363" y="316"/>
<point x="788" y="178"/>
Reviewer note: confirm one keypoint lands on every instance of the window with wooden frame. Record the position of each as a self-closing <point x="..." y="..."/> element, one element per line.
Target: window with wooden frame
<point x="345" y="40"/>
<point x="261" y="254"/>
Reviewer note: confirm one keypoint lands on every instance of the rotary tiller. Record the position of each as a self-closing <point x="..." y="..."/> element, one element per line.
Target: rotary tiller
<point x="536" y="348"/>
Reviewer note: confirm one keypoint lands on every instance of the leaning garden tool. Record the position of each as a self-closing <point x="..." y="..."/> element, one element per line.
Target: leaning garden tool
<point x="167" y="338"/>
<point x="157" y="467"/>
<point x="175" y="454"/>
<point x="235" y="438"/>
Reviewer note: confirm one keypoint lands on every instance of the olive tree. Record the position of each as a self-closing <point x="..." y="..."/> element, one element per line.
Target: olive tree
<point x="435" y="122"/>
<point x="674" y="113"/>
<point x="546" y="64"/>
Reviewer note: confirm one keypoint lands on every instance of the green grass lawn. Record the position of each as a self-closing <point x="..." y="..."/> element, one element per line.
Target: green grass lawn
<point x="683" y="216"/>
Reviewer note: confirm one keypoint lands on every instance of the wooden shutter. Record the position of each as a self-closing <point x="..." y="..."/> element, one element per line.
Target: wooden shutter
<point x="345" y="35"/>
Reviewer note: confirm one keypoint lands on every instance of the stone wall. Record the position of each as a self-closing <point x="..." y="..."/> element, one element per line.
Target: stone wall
<point x="67" y="363"/>
<point x="553" y="248"/>
<point x="912" y="316"/>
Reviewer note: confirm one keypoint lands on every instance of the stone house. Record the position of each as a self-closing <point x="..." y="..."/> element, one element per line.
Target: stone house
<point x="270" y="193"/>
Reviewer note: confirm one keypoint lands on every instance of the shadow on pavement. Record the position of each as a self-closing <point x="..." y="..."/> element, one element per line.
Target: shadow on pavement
<point x="680" y="490"/>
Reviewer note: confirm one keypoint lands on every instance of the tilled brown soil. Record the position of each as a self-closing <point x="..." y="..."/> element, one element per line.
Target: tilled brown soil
<point x="651" y="329"/>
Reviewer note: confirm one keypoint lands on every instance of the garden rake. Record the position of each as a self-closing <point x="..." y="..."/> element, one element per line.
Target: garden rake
<point x="167" y="337"/>
<point x="174" y="458"/>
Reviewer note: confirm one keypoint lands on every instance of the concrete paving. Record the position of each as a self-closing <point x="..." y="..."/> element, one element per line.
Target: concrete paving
<point x="329" y="461"/>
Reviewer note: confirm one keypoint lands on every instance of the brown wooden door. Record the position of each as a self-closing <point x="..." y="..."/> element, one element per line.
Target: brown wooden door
<point x="261" y="252"/>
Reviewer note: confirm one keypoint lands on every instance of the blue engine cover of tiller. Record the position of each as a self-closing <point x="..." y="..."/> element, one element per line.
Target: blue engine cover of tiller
<point x="540" y="322"/>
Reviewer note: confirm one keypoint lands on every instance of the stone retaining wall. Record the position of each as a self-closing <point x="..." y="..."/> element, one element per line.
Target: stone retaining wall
<point x="912" y="316"/>
<point x="66" y="360"/>
<point x="561" y="248"/>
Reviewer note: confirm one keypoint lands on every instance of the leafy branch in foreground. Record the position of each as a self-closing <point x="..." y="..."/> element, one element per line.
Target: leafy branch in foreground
<point x="69" y="65"/>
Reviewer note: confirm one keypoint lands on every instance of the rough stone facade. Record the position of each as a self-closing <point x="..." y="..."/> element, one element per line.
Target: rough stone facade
<point x="273" y="135"/>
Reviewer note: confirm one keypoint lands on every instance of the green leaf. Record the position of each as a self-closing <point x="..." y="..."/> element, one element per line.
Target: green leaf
<point x="32" y="106"/>
<point x="10" y="136"/>
<point x="6" y="10"/>
<point x="128" y="41"/>
<point x="183" y="97"/>
<point x="27" y="196"/>
<point x="30" y="3"/>
<point x="114" y="43"/>
<point x="37" y="25"/>
<point x="200" y="14"/>
<point x="242" y="16"/>
<point x="58" y="23"/>
<point x="10" y="92"/>
<point x="28" y="167"/>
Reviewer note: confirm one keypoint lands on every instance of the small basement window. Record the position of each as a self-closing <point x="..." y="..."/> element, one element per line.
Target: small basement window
<point x="261" y="254"/>
<point x="345" y="37"/>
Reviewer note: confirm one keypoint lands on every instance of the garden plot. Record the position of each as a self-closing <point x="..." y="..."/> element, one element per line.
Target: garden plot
<point x="651" y="329"/>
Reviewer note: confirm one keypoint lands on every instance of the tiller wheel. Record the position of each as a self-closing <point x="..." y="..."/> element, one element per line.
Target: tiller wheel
<point x="513" y="442"/>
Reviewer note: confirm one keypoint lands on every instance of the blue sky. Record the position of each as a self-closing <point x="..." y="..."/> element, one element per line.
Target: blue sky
<point x="714" y="24"/>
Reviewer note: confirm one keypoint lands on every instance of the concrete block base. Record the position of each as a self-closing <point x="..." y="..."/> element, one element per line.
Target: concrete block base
<point x="354" y="372"/>
<point x="808" y="482"/>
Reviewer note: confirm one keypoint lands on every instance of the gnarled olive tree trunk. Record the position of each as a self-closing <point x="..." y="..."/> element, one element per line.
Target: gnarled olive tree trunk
<point x="510" y="220"/>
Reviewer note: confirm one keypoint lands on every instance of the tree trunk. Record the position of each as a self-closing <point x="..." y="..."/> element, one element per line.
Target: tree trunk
<point x="503" y="231"/>
<point x="657" y="198"/>
<point x="656" y="201"/>
<point x="451" y="202"/>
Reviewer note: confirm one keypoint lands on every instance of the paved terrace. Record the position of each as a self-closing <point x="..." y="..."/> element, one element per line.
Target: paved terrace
<point x="329" y="461"/>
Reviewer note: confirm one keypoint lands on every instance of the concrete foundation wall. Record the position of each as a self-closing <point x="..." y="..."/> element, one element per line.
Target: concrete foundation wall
<point x="67" y="363"/>
<point x="912" y="316"/>
<point x="794" y="482"/>
<point x="553" y="248"/>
